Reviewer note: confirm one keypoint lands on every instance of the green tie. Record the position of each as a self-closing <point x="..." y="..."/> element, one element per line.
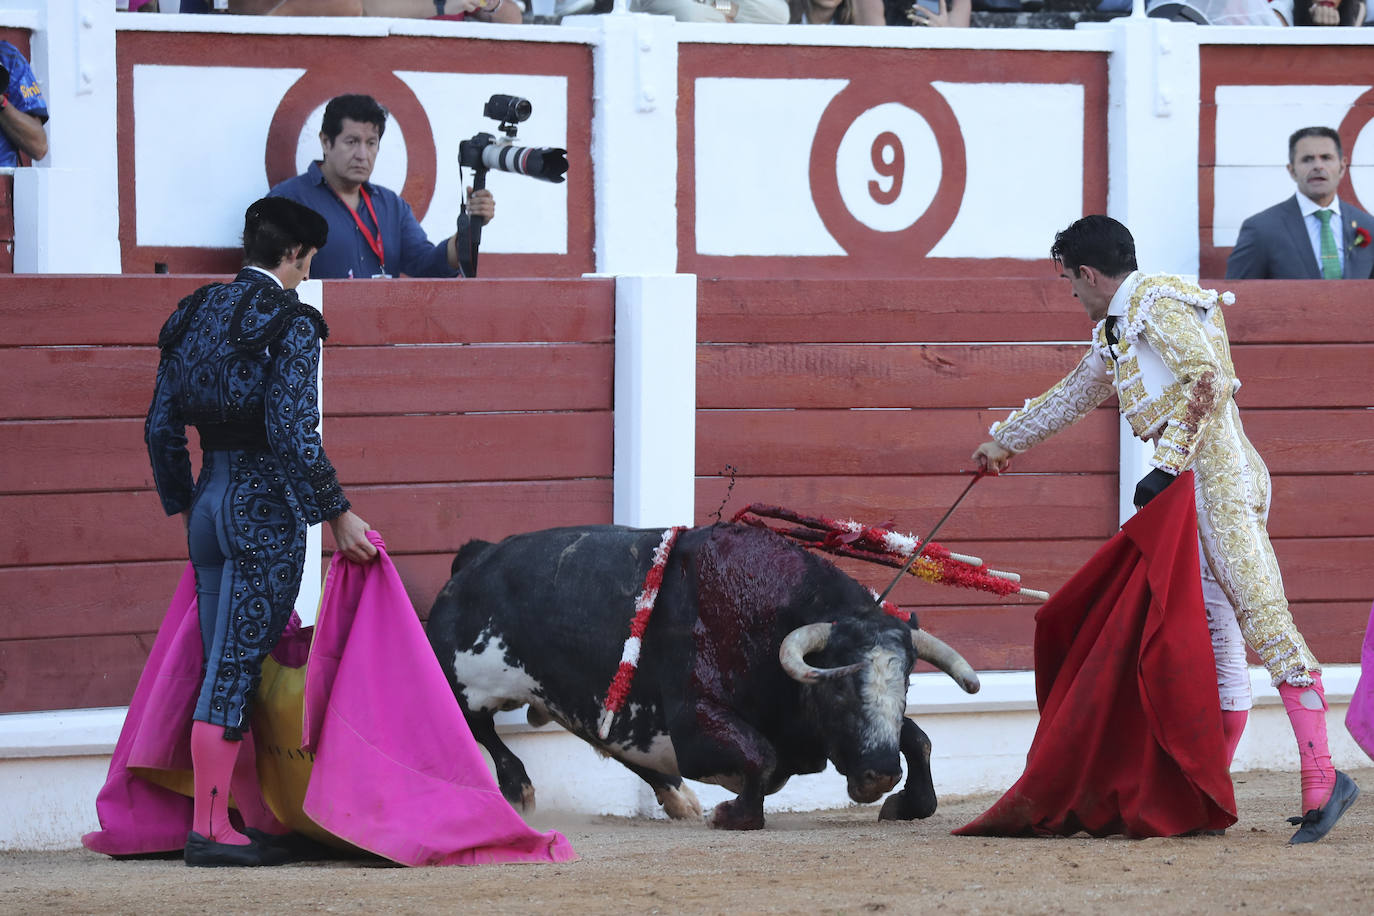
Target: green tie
<point x="1331" y="262"/>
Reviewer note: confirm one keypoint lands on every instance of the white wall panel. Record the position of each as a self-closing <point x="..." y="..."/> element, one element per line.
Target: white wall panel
<point x="198" y="149"/>
<point x="1023" y="145"/>
<point x="759" y="202"/>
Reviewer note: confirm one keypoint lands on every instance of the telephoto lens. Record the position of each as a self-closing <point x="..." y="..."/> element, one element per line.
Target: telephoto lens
<point x="544" y="163"/>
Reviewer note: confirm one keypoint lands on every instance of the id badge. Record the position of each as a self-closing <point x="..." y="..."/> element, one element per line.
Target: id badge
<point x="381" y="276"/>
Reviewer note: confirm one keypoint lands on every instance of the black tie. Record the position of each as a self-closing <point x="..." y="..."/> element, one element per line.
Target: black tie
<point x="1110" y="330"/>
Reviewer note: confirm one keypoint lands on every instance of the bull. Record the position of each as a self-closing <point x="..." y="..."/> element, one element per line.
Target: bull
<point x="761" y="660"/>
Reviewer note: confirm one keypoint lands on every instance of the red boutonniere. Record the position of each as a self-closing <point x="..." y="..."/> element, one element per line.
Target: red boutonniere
<point x="1361" y="237"/>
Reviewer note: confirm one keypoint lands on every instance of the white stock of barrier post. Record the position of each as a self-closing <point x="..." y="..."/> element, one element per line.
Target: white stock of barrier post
<point x="655" y="401"/>
<point x="66" y="207"/>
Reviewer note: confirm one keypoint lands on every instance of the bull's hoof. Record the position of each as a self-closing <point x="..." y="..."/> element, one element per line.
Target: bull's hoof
<point x="735" y="815"/>
<point x="899" y="808"/>
<point x="679" y="803"/>
<point x="527" y="798"/>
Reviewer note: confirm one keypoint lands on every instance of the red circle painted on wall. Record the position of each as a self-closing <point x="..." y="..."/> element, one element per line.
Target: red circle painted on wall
<point x="878" y="233"/>
<point x="316" y="88"/>
<point x="1360" y="114"/>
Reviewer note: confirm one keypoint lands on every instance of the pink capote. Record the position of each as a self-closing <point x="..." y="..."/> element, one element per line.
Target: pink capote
<point x="405" y="778"/>
<point x="1359" y="718"/>
<point x="1130" y="738"/>
<point x="137" y="816"/>
<point x="396" y="769"/>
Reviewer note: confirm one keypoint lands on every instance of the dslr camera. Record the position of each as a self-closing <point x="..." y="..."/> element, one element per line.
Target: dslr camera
<point x="485" y="151"/>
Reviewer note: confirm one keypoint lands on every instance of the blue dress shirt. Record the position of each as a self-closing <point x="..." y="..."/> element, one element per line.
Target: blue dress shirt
<point x="406" y="248"/>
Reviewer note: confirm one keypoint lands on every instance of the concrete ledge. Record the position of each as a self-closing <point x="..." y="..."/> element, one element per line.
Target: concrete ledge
<point x="52" y="764"/>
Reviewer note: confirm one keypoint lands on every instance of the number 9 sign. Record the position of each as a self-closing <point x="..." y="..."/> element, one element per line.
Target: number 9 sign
<point x="887" y="175"/>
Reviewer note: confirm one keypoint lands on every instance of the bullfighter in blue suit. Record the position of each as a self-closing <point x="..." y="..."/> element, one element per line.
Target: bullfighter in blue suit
<point x="239" y="362"/>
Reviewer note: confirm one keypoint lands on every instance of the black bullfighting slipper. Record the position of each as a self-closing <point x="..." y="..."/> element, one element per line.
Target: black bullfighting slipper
<point x="298" y="846"/>
<point x="206" y="852"/>
<point x="1318" y="822"/>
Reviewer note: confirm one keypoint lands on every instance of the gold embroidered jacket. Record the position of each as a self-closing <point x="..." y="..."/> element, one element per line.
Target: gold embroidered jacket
<point x="1170" y="370"/>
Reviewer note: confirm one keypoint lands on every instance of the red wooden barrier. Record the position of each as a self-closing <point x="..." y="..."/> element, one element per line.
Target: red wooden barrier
<point x="864" y="399"/>
<point x="454" y="410"/>
<point x="484" y="408"/>
<point x="6" y="224"/>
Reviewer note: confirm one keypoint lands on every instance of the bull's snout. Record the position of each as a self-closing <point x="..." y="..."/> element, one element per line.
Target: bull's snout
<point x="870" y="785"/>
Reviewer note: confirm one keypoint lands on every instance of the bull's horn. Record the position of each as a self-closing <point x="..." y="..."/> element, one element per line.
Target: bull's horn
<point x="810" y="638"/>
<point x="946" y="659"/>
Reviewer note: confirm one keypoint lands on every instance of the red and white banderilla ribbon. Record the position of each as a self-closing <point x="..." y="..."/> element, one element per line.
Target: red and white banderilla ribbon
<point x="629" y="657"/>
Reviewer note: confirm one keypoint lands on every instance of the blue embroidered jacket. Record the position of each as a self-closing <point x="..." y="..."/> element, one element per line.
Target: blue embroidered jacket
<point x="243" y="356"/>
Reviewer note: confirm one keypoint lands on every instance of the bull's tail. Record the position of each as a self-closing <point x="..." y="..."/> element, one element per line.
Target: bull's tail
<point x="466" y="554"/>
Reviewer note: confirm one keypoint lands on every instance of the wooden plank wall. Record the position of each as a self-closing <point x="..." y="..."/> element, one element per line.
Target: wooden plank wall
<point x="469" y="410"/>
<point x="455" y="410"/>
<point x="6" y="224"/>
<point x="864" y="399"/>
<point x="484" y="408"/>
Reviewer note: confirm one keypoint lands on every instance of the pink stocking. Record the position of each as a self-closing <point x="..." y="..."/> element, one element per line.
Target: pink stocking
<point x="212" y="766"/>
<point x="1306" y="708"/>
<point x="247" y="791"/>
<point x="1232" y="727"/>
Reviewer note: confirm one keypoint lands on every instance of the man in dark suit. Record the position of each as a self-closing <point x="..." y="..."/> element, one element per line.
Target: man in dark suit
<point x="1313" y="235"/>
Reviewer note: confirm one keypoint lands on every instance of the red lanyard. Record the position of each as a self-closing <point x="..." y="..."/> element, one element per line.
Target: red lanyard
<point x="373" y="242"/>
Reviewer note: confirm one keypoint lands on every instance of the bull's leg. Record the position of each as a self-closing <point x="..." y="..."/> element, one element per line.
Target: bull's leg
<point x="677" y="798"/>
<point x="718" y="742"/>
<point x="917" y="797"/>
<point x="510" y="772"/>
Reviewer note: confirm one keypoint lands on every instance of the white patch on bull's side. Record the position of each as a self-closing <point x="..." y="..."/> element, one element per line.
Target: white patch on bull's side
<point x="884" y="699"/>
<point x="489" y="683"/>
<point x="659" y="757"/>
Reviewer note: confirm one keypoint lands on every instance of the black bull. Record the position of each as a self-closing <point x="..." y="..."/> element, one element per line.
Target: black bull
<point x="760" y="661"/>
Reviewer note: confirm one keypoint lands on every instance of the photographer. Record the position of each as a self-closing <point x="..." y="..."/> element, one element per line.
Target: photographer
<point x="372" y="231"/>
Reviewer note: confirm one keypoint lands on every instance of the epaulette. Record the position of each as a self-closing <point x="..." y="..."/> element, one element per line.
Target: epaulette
<point x="1165" y="286"/>
<point x="263" y="314"/>
<point x="180" y="320"/>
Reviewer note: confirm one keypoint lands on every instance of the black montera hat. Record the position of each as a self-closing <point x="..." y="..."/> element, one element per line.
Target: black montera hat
<point x="297" y="222"/>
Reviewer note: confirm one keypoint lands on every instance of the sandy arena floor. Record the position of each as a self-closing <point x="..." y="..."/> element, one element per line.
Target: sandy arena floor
<point x="841" y="861"/>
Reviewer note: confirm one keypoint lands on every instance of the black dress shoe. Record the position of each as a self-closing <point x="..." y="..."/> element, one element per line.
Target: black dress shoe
<point x="1318" y="822"/>
<point x="206" y="852"/>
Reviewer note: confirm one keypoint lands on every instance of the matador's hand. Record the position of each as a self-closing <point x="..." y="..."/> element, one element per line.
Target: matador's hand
<point x="1151" y="485"/>
<point x="992" y="457"/>
<point x="350" y="534"/>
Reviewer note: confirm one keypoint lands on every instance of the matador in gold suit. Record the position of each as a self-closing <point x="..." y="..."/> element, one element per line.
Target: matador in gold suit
<point x="1160" y="345"/>
<point x="1171" y="371"/>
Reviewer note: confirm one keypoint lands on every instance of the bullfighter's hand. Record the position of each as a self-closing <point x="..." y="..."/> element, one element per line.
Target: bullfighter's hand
<point x="350" y="535"/>
<point x="1151" y="485"/>
<point x="992" y="457"/>
<point x="481" y="206"/>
